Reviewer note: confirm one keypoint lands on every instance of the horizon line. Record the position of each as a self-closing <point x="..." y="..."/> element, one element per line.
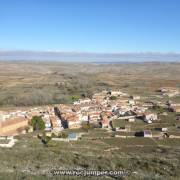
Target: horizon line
<point x="76" y="56"/>
<point x="87" y="52"/>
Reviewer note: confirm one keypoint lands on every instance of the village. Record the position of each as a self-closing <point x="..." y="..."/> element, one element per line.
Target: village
<point x="125" y="115"/>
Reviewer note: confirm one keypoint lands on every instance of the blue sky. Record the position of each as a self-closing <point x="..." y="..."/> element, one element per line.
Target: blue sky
<point x="90" y="25"/>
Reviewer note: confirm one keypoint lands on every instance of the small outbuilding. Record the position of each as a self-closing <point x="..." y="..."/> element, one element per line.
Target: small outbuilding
<point x="72" y="137"/>
<point x="147" y="133"/>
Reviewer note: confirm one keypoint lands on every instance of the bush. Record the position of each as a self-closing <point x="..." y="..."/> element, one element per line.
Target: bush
<point x="74" y="98"/>
<point x="113" y="98"/>
<point x="62" y="135"/>
<point x="159" y="109"/>
<point x="86" y="126"/>
<point x="45" y="139"/>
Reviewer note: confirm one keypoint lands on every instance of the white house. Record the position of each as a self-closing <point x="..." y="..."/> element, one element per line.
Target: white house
<point x="150" y="117"/>
<point x="131" y="119"/>
<point x="47" y="126"/>
<point x="84" y="118"/>
<point x="118" y="93"/>
<point x="135" y="97"/>
<point x="131" y="102"/>
<point x="164" y="129"/>
<point x="82" y="101"/>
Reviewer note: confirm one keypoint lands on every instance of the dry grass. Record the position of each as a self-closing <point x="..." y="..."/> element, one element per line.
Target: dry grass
<point x="38" y="83"/>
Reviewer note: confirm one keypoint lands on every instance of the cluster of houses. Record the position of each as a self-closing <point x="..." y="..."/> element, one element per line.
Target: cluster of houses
<point x="175" y="107"/>
<point x="169" y="91"/>
<point x="99" y="111"/>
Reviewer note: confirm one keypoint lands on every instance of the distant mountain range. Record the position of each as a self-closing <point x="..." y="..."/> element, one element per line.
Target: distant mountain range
<point x="88" y="57"/>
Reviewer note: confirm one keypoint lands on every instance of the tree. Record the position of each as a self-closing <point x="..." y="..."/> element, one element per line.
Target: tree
<point x="37" y="123"/>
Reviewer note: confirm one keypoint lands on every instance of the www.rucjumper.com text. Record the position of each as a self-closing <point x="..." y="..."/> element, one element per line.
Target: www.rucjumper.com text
<point x="118" y="173"/>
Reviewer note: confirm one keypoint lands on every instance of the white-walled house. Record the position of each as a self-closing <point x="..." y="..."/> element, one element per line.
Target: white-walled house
<point x="150" y="117"/>
<point x="117" y="93"/>
<point x="82" y="101"/>
<point x="84" y="118"/>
